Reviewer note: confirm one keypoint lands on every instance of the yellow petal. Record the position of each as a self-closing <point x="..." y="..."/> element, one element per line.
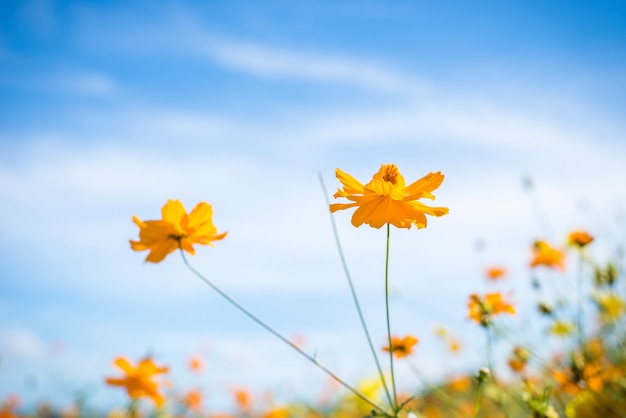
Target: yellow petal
<point x="350" y="184"/>
<point x="160" y="250"/>
<point x="425" y="185"/>
<point x="124" y="364"/>
<point x="173" y="211"/>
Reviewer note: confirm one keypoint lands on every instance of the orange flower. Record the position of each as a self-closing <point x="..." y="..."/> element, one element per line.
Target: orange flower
<point x="545" y="255"/>
<point x="519" y="358"/>
<point x="243" y="399"/>
<point x="402" y="347"/>
<point x="482" y="309"/>
<point x="7" y="408"/>
<point x="176" y="230"/>
<point x="461" y="383"/>
<point x="139" y="380"/>
<point x="495" y="273"/>
<point x="195" y="364"/>
<point x="579" y="238"/>
<point x="193" y="400"/>
<point x="386" y="199"/>
<point x="276" y="413"/>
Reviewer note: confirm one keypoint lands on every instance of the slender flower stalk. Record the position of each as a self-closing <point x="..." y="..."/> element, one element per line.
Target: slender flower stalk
<point x="482" y="375"/>
<point x="283" y="339"/>
<point x="489" y="334"/>
<point x="354" y="296"/>
<point x="393" y="378"/>
<point x="579" y="240"/>
<point x="579" y="290"/>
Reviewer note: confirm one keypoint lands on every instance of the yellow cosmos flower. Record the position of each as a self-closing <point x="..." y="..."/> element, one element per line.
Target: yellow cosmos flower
<point x="386" y="199"/>
<point x="177" y="229"/>
<point x="138" y="381"/>
<point x="561" y="328"/>
<point x="579" y="239"/>
<point x="402" y="347"/>
<point x="611" y="306"/>
<point x="546" y="255"/>
<point x="481" y="309"/>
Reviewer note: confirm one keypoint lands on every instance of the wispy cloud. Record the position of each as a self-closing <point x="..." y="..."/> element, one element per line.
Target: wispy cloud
<point x="264" y="61"/>
<point x="180" y="33"/>
<point x="89" y="84"/>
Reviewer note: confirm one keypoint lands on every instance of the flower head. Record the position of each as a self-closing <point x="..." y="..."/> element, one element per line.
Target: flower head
<point x="546" y="255"/>
<point x="138" y="380"/>
<point x="610" y="305"/>
<point x="579" y="239"/>
<point x="402" y="347"/>
<point x="177" y="229"/>
<point x="195" y="364"/>
<point x="386" y="199"/>
<point x="482" y="309"/>
<point x="495" y="273"/>
<point x="193" y="400"/>
<point x="561" y="328"/>
<point x="519" y="358"/>
<point x="243" y="399"/>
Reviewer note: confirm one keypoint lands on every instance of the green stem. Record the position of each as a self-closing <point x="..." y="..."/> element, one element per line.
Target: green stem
<point x="355" y="298"/>
<point x="393" y="378"/>
<point x="491" y="366"/>
<point x="579" y="290"/>
<point x="490" y="351"/>
<point x="479" y="393"/>
<point x="133" y="406"/>
<point x="280" y="337"/>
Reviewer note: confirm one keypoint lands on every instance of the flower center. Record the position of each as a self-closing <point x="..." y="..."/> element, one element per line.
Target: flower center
<point x="391" y="173"/>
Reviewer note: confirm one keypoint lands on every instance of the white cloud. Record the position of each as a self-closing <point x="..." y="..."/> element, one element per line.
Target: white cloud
<point x="90" y="84"/>
<point x="275" y="62"/>
<point x="21" y="344"/>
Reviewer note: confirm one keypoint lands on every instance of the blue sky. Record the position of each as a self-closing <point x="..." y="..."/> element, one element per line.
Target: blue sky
<point x="108" y="109"/>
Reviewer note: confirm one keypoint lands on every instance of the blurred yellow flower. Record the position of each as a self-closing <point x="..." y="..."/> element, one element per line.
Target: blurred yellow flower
<point x="276" y="413"/>
<point x="402" y="347"/>
<point x="546" y="255"/>
<point x="481" y="309"/>
<point x="138" y="381"/>
<point x="611" y="306"/>
<point x="370" y="388"/>
<point x="386" y="199"/>
<point x="176" y="230"/>
<point x="454" y="345"/>
<point x="561" y="328"/>
<point x="579" y="238"/>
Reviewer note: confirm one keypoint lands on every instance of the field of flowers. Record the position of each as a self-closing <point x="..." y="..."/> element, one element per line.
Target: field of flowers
<point x="585" y="379"/>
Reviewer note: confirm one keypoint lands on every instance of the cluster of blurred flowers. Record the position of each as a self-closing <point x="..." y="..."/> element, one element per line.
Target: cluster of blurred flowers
<point x="585" y="377"/>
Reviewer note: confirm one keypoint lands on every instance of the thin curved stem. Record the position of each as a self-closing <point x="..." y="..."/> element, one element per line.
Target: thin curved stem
<point x="393" y="378"/>
<point x="280" y="337"/>
<point x="477" y="400"/>
<point x="580" y="299"/>
<point x="490" y="351"/>
<point x="354" y="296"/>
